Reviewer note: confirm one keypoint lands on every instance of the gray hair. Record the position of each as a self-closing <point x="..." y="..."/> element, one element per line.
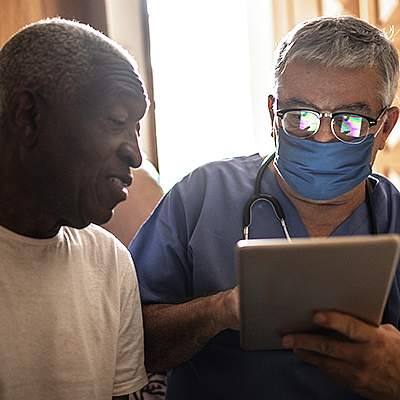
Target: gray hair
<point x="344" y="42"/>
<point x="58" y="58"/>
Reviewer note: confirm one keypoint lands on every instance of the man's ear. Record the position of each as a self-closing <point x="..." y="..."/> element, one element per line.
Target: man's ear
<point x="391" y="119"/>
<point x="271" y="101"/>
<point x="23" y="117"/>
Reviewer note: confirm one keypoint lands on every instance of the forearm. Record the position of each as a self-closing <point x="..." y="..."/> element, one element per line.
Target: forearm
<point x="174" y="333"/>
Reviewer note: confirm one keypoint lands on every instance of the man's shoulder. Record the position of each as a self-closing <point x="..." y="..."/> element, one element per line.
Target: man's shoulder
<point x="216" y="179"/>
<point x="385" y="185"/>
<point x="92" y="230"/>
<point x="225" y="169"/>
<point x="386" y="198"/>
<point x="100" y="232"/>
<point x="98" y="251"/>
<point x="232" y="164"/>
<point x="95" y="237"/>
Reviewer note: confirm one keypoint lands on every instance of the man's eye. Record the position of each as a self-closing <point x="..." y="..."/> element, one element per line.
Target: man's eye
<point x="116" y="125"/>
<point x="117" y="122"/>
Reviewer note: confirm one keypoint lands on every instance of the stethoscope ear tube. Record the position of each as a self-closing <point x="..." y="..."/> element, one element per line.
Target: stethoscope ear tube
<point x="247" y="211"/>
<point x="370" y="205"/>
<point x="261" y="197"/>
<point x="258" y="196"/>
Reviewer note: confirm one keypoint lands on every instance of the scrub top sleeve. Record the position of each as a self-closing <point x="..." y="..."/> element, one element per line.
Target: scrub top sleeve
<point x="160" y="254"/>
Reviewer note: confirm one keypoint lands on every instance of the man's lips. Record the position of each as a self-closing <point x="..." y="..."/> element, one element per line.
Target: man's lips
<point x="121" y="182"/>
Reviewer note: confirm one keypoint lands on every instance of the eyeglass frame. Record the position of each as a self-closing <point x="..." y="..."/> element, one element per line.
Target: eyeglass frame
<point x="327" y="114"/>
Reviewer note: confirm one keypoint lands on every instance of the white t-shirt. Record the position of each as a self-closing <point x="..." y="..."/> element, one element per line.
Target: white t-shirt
<point x="70" y="317"/>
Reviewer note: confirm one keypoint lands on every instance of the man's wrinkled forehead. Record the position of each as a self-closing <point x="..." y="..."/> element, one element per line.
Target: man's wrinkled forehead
<point x="119" y="76"/>
<point x="114" y="81"/>
<point x="311" y="85"/>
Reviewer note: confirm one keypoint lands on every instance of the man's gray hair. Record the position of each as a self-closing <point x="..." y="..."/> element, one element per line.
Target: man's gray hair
<point x="57" y="58"/>
<point x="343" y="42"/>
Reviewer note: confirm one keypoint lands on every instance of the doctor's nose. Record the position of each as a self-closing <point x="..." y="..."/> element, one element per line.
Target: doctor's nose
<point x="325" y="133"/>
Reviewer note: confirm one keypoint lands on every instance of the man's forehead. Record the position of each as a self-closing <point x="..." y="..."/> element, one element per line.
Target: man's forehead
<point x="117" y="80"/>
<point x="328" y="88"/>
<point x="113" y="84"/>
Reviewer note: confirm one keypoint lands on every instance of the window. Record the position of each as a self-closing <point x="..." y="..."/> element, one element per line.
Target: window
<point x="211" y="63"/>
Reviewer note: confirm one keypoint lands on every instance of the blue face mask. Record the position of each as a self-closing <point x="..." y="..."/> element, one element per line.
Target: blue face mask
<point x="322" y="171"/>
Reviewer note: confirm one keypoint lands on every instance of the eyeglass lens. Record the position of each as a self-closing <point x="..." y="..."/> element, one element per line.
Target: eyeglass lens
<point x="346" y="127"/>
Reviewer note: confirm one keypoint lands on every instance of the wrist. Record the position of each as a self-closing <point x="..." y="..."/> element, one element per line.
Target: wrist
<point x="228" y="309"/>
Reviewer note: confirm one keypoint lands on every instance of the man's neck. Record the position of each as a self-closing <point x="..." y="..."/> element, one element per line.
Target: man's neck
<point x="23" y="224"/>
<point x="321" y="218"/>
<point x="23" y="213"/>
<point x="26" y="207"/>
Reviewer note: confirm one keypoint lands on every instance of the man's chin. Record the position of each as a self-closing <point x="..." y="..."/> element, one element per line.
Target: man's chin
<point x="97" y="217"/>
<point x="101" y="218"/>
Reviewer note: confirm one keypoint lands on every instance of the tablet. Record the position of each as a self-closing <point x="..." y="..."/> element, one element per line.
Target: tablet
<point x="282" y="284"/>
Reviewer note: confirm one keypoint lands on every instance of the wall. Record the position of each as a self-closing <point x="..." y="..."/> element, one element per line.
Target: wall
<point x="14" y="14"/>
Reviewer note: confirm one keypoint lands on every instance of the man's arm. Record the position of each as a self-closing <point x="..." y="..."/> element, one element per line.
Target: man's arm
<point x="174" y="333"/>
<point x="369" y="363"/>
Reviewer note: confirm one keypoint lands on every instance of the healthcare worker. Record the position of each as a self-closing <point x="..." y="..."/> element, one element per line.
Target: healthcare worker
<point x="331" y="111"/>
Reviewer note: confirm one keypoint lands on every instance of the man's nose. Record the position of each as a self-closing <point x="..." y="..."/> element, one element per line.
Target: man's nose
<point x="324" y="133"/>
<point x="130" y="154"/>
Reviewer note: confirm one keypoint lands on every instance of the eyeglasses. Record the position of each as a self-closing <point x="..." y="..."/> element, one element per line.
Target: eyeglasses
<point x="346" y="127"/>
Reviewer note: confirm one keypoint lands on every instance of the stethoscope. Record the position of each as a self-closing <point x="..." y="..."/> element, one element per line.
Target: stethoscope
<point x="278" y="211"/>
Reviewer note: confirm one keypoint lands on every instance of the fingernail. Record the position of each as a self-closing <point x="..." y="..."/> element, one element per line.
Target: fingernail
<point x="287" y="341"/>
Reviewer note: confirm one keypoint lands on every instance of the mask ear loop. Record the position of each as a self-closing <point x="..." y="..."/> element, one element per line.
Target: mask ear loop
<point x="378" y="131"/>
<point x="274" y="131"/>
<point x="380" y="128"/>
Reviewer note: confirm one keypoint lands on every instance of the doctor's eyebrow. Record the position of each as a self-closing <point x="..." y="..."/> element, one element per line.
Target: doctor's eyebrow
<point x="363" y="108"/>
<point x="359" y="107"/>
<point x="297" y="103"/>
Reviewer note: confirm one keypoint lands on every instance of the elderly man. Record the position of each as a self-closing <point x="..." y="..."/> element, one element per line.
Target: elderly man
<point x="331" y="111"/>
<point x="71" y="324"/>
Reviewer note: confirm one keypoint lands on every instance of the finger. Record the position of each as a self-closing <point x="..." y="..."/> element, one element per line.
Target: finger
<point x="324" y="345"/>
<point x="338" y="370"/>
<point x="347" y="325"/>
